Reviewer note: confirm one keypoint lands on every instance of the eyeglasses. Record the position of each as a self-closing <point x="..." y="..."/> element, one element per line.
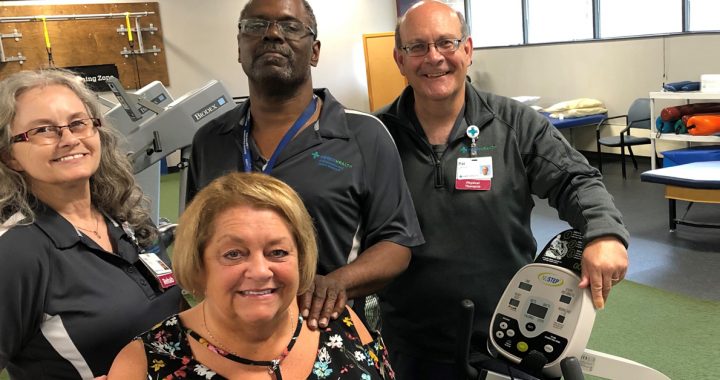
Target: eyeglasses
<point x="444" y="46"/>
<point x="51" y="134"/>
<point x="290" y="29"/>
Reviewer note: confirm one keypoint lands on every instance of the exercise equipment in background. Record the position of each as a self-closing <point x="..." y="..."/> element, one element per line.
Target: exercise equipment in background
<point x="156" y="126"/>
<point x="542" y="324"/>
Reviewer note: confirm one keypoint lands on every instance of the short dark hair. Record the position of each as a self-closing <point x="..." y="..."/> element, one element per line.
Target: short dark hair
<point x="464" y="28"/>
<point x="308" y="9"/>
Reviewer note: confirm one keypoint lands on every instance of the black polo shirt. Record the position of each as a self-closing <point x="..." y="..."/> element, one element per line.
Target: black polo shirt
<point x="345" y="167"/>
<point x="68" y="306"/>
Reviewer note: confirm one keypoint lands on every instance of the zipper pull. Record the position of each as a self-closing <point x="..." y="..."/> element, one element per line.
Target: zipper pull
<point x="439" y="180"/>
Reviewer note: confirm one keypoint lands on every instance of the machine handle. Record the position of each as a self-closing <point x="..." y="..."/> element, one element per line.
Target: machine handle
<point x="571" y="369"/>
<point x="154" y="146"/>
<point x="464" y="333"/>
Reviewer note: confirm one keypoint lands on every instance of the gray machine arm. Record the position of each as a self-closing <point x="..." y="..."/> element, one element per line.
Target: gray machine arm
<point x="155" y="126"/>
<point x="174" y="127"/>
<point x="129" y="115"/>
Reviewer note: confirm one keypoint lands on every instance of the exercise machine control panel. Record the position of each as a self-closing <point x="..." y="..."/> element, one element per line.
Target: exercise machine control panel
<point x="543" y="309"/>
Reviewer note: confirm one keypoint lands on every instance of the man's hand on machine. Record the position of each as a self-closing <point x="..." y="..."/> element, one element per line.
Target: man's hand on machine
<point x="325" y="299"/>
<point x="604" y="263"/>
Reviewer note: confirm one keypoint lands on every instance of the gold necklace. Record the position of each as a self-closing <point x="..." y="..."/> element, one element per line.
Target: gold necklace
<point x="210" y="334"/>
<point x="96" y="230"/>
<point x="273" y="366"/>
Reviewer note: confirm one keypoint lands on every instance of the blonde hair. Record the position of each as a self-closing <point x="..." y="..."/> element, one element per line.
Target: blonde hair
<point x="197" y="224"/>
<point x="112" y="187"/>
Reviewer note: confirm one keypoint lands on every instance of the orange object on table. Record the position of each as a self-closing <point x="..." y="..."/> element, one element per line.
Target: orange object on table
<point x="704" y="125"/>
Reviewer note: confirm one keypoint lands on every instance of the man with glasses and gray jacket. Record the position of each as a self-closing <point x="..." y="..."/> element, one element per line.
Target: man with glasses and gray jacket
<point x="472" y="161"/>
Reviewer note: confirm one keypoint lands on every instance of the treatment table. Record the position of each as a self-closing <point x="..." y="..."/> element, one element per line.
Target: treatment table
<point x="693" y="182"/>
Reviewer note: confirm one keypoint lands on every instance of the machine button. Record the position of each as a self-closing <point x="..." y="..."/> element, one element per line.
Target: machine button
<point x="561" y="318"/>
<point x="522" y="346"/>
<point x="530" y="326"/>
<point x="514" y="302"/>
<point x="500" y="334"/>
<point x="548" y="348"/>
<point x="130" y="269"/>
<point x="511" y="333"/>
<point x="503" y="325"/>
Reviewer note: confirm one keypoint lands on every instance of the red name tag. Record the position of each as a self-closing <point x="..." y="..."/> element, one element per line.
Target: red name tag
<point x="166" y="280"/>
<point x="473" y="184"/>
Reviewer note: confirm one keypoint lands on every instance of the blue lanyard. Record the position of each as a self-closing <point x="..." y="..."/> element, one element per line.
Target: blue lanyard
<point x="247" y="155"/>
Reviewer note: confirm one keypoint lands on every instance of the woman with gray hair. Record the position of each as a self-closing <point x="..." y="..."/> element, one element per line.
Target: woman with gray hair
<point x="80" y="270"/>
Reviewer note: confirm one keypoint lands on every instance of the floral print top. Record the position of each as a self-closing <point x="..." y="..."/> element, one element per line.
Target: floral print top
<point x="340" y="354"/>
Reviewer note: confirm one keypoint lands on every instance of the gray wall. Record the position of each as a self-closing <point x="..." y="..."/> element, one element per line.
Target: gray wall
<point x="615" y="72"/>
<point x="200" y="43"/>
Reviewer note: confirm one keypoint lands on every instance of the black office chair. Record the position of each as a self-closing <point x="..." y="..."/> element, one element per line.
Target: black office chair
<point x="638" y="116"/>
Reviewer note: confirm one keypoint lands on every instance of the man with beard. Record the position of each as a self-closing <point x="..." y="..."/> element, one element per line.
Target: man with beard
<point x="476" y="223"/>
<point x="343" y="163"/>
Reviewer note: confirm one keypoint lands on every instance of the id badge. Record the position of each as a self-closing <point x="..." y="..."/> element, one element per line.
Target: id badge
<point x="474" y="173"/>
<point x="159" y="269"/>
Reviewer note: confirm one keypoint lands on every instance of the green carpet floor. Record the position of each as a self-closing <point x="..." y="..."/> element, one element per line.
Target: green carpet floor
<point x="673" y="334"/>
<point x="170" y="196"/>
<point x="677" y="335"/>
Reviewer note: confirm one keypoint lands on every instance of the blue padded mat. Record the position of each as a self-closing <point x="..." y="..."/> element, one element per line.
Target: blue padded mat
<point x="693" y="154"/>
<point x="575" y="121"/>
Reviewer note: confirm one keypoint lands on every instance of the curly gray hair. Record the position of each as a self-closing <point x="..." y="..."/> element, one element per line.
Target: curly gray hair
<point x="113" y="188"/>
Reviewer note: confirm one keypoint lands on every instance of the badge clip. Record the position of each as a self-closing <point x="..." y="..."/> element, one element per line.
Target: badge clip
<point x="472" y="132"/>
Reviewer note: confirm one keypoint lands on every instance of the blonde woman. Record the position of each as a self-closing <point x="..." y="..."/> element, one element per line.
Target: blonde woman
<point x="246" y="247"/>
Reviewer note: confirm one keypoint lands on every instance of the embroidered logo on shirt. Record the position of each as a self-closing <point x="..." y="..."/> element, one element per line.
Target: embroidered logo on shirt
<point x="330" y="162"/>
<point x="465" y="149"/>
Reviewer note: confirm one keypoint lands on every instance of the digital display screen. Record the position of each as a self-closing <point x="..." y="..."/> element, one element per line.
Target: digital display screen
<point x="525" y="286"/>
<point x="565" y="299"/>
<point x="537" y="310"/>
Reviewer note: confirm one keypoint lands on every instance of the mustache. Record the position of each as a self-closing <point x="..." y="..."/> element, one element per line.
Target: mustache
<point x="285" y="51"/>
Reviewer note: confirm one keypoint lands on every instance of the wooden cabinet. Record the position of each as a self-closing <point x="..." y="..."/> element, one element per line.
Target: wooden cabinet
<point x="687" y="97"/>
<point x="384" y="80"/>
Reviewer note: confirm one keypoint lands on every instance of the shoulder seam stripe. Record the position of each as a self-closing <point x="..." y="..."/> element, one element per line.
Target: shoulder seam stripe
<point x="374" y="117"/>
<point x="11" y="222"/>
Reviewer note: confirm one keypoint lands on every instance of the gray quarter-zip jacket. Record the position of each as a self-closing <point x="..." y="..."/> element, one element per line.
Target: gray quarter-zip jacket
<point x="475" y="241"/>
